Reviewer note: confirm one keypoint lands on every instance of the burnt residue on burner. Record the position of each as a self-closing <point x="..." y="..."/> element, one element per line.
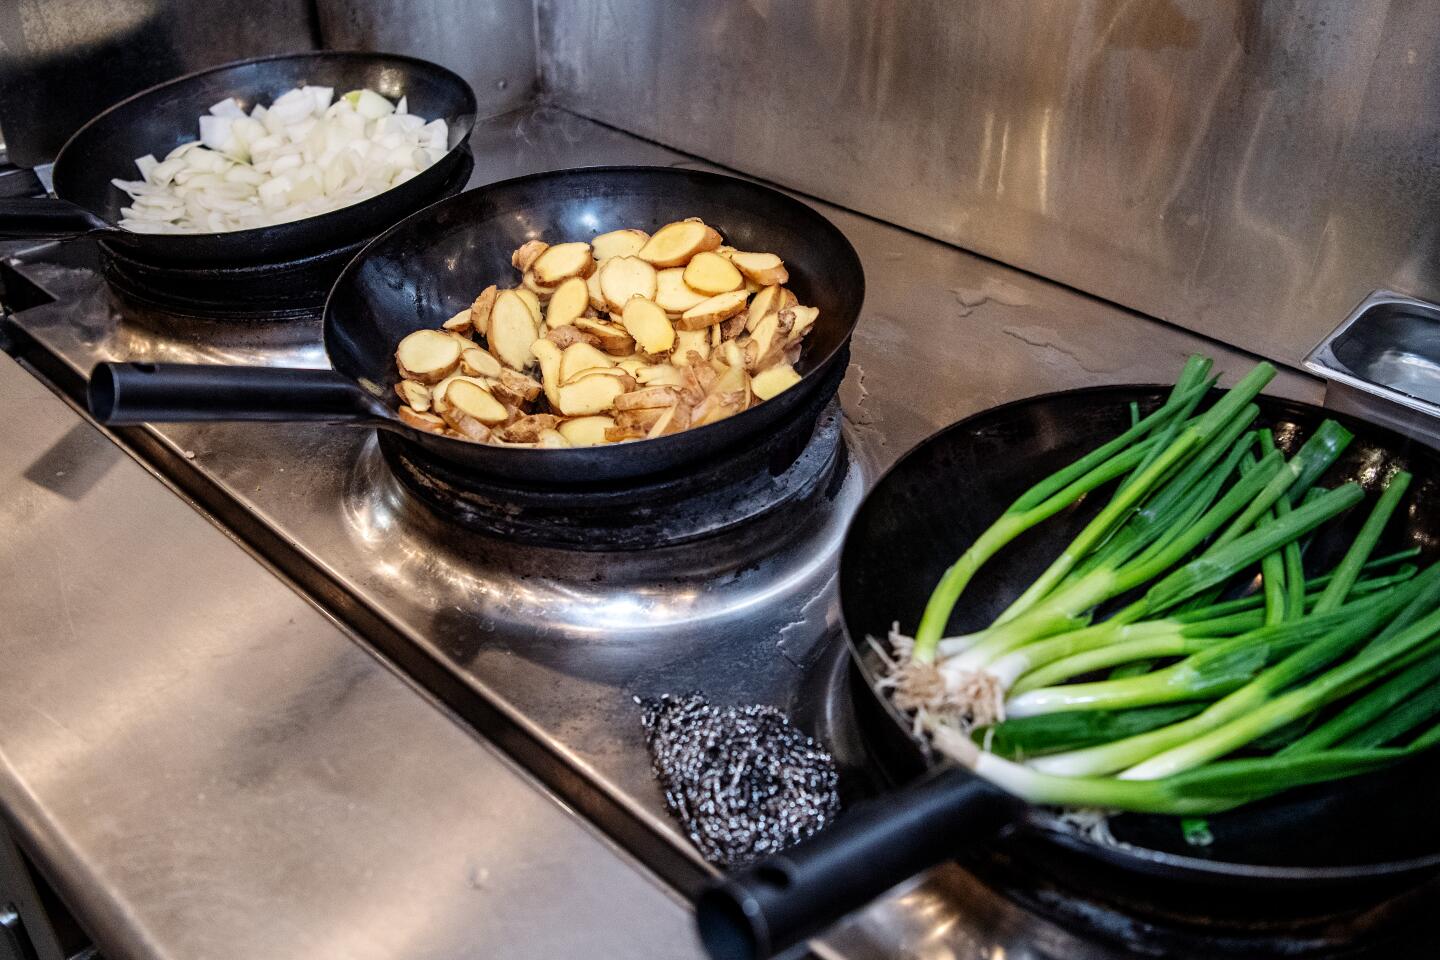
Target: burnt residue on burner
<point x="743" y="781"/>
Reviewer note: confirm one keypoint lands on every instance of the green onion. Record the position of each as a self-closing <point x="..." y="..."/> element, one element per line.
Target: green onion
<point x="1213" y="788"/>
<point x="1233" y="404"/>
<point x="1196" y="369"/>
<point x="1420" y="708"/>
<point x="1216" y="669"/>
<point x="1255" y="601"/>
<point x="1164" y="512"/>
<point x="1039" y="503"/>
<point x="1318" y="453"/>
<point x="1364" y="543"/>
<point x="1342" y="630"/>
<point x="1335" y="683"/>
<point x="1053" y="732"/>
<point x="1389" y="696"/>
<point x="1272" y="565"/>
<point x="1209" y="703"/>
<point x="1106" y="583"/>
<point x="1218" y="565"/>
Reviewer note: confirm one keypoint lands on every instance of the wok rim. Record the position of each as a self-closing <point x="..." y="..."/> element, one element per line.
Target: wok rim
<point x="117" y="233"/>
<point x="808" y="380"/>
<point x="1036" y="820"/>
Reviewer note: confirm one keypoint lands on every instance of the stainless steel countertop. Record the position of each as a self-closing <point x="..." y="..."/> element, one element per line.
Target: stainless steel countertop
<point x="210" y="768"/>
<point x="944" y="334"/>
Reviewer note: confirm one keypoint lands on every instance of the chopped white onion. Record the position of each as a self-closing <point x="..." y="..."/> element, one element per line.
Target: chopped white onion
<point x="229" y="107"/>
<point x="306" y="153"/>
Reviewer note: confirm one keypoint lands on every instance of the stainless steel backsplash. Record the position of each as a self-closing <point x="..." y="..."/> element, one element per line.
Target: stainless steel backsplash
<point x="491" y="43"/>
<point x="1249" y="170"/>
<point x="62" y="61"/>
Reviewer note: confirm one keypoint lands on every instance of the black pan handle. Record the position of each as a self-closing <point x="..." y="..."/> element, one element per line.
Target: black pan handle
<point x="126" y="393"/>
<point x="47" y="218"/>
<point x="784" y="899"/>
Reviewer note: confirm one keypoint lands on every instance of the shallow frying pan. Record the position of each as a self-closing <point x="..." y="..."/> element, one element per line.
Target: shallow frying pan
<point x="430" y="266"/>
<point x="1326" y="848"/>
<point x="87" y="204"/>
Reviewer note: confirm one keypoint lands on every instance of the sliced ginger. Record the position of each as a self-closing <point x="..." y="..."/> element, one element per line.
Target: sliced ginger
<point x="710" y="273"/>
<point x="561" y="262"/>
<point x="512" y="331"/>
<point x="568" y="303"/>
<point x="649" y="325"/>
<point x="624" y="278"/>
<point x="673" y="294"/>
<point x="428" y="356"/>
<point x="711" y="311"/>
<point x="619" y="243"/>
<point x="675" y="243"/>
<point x="627" y="337"/>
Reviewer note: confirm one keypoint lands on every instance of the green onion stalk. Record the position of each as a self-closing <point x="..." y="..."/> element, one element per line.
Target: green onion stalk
<point x="1353" y="628"/>
<point x="1057" y="659"/>
<point x="1210" y="789"/>
<point x="1208" y="569"/>
<point x="1234" y="404"/>
<point x="1227" y="673"/>
<point x="1047" y="498"/>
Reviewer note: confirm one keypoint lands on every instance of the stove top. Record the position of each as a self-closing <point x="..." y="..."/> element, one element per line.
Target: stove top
<point x="540" y="645"/>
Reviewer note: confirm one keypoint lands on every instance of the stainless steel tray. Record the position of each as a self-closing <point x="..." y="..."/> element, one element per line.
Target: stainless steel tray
<point x="1383" y="363"/>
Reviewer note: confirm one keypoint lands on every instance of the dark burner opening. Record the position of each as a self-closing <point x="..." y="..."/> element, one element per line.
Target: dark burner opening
<point x="293" y="289"/>
<point x="1395" y="925"/>
<point x="793" y="467"/>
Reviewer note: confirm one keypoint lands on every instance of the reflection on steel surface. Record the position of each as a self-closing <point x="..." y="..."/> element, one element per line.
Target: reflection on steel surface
<point x="1248" y="170"/>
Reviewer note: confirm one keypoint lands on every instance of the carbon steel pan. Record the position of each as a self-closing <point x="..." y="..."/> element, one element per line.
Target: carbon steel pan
<point x="1298" y="857"/>
<point x="157" y="120"/>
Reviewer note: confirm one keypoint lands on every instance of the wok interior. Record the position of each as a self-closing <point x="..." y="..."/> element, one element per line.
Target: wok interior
<point x="925" y="512"/>
<point x="432" y="265"/>
<point x="160" y="120"/>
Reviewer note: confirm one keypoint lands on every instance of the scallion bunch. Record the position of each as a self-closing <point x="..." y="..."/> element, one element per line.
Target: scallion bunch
<point x="1176" y="657"/>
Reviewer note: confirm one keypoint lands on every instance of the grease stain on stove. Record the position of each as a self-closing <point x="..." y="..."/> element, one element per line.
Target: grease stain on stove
<point x="991" y="290"/>
<point x="854" y="397"/>
<point x="1057" y="350"/>
<point x="798" y="640"/>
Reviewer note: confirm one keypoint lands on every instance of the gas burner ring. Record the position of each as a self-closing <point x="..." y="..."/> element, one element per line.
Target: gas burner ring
<point x="662" y="512"/>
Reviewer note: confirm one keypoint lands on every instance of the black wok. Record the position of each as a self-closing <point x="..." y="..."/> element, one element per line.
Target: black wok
<point x="1328" y="848"/>
<point x="431" y="265"/>
<point x="87" y="204"/>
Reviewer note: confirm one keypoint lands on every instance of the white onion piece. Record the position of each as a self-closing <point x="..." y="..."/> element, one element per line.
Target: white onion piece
<point x="229" y="107"/>
<point x="306" y="153"/>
